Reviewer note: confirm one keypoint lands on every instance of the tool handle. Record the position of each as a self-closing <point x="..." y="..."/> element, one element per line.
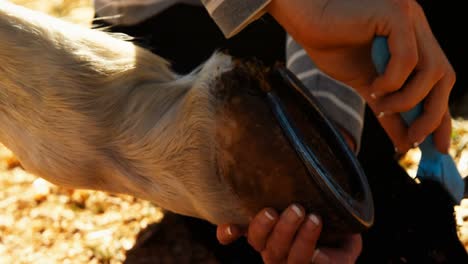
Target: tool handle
<point x="380" y="57"/>
<point x="433" y="165"/>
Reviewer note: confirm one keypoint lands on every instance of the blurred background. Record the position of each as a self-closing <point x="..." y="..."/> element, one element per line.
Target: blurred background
<point x="44" y="223"/>
<point x="76" y="11"/>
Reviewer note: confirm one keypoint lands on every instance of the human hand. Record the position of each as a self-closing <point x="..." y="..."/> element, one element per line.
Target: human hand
<point x="291" y="238"/>
<point x="338" y="35"/>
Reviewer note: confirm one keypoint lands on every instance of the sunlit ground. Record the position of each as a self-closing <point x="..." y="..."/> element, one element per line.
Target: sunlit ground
<point x="77" y="11"/>
<point x="44" y="223"/>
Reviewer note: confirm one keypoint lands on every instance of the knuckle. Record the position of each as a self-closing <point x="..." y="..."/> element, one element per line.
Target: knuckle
<point x="451" y="77"/>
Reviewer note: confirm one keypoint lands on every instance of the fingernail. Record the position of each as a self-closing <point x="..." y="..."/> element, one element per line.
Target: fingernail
<point x="314" y="219"/>
<point x="269" y="215"/>
<point x="381" y="114"/>
<point x="373" y="96"/>
<point x="314" y="256"/>
<point x="396" y="150"/>
<point x="293" y="214"/>
<point x="228" y="231"/>
<point x="297" y="210"/>
<point x="415" y="144"/>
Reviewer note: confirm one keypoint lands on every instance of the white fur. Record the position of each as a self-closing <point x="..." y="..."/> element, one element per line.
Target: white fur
<point x="84" y="109"/>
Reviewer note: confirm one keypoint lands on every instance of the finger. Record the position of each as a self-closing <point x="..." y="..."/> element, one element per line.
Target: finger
<point x="436" y="103"/>
<point x="281" y="238"/>
<point x="396" y="129"/>
<point x="414" y="91"/>
<point x="303" y="247"/>
<point x="404" y="57"/>
<point x="442" y="134"/>
<point x="260" y="228"/>
<point x="352" y="247"/>
<point x="428" y="70"/>
<point x="348" y="253"/>
<point x="227" y="234"/>
<point x="435" y="106"/>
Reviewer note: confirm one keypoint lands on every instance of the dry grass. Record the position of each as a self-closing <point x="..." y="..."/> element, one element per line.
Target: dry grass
<point x="76" y="11"/>
<point x="44" y="223"/>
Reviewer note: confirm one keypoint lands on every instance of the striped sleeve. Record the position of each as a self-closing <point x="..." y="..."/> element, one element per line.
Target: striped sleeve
<point x="340" y="102"/>
<point x="232" y="16"/>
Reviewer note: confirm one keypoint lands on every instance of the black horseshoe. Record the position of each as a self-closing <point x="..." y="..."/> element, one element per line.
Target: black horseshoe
<point x="356" y="211"/>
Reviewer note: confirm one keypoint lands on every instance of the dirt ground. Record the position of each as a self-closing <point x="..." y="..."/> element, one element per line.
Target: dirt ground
<point x="44" y="223"/>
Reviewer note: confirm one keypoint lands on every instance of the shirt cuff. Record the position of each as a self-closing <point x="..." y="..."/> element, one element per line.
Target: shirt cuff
<point x="232" y="16"/>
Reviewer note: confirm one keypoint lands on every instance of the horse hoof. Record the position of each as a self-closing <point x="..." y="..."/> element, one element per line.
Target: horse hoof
<point x="264" y="169"/>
